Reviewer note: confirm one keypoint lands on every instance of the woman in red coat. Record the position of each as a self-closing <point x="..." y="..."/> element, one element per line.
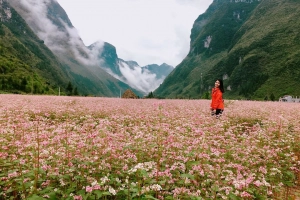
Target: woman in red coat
<point x="217" y="102"/>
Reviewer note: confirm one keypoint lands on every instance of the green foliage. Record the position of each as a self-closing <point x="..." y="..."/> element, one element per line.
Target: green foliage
<point x="255" y="62"/>
<point x="69" y="89"/>
<point x="26" y="64"/>
<point x="75" y="92"/>
<point x="150" y="95"/>
<point x="266" y="98"/>
<point x="272" y="97"/>
<point x="205" y="95"/>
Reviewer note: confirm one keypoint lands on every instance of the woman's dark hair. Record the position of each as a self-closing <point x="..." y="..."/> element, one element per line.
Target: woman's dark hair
<point x="221" y="87"/>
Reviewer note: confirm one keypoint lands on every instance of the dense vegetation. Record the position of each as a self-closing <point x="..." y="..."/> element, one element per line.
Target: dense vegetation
<point x="26" y="64"/>
<point x="254" y="47"/>
<point x="86" y="148"/>
<point x="29" y="66"/>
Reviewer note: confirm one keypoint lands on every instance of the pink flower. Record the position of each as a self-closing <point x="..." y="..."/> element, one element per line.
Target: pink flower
<point x="258" y="183"/>
<point x="96" y="187"/>
<point x="263" y="170"/>
<point x="245" y="194"/>
<point x="26" y="180"/>
<point x="125" y="167"/>
<point x="22" y="162"/>
<point x="89" y="189"/>
<point x="46" y="183"/>
<point x="79" y="197"/>
<point x="45" y="167"/>
<point x="14" y="174"/>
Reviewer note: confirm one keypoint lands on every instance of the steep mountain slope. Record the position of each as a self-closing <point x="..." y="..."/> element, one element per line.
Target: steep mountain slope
<point x="252" y="44"/>
<point x="26" y="64"/>
<point x="108" y="54"/>
<point x="50" y="22"/>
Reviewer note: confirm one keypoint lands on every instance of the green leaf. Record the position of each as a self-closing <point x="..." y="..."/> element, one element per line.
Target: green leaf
<point x="187" y="176"/>
<point x="106" y="194"/>
<point x="288" y="178"/>
<point x="47" y="189"/>
<point x="6" y="165"/>
<point x="144" y="173"/>
<point x="81" y="192"/>
<point x="259" y="196"/>
<point x="150" y="197"/>
<point x="71" y="190"/>
<point x="35" y="197"/>
<point x="193" y="162"/>
<point x="52" y="196"/>
<point x="98" y="193"/>
<point x="233" y="197"/>
<point x="163" y="182"/>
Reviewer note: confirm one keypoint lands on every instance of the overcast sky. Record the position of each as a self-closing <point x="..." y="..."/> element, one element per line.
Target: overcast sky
<point x="146" y="31"/>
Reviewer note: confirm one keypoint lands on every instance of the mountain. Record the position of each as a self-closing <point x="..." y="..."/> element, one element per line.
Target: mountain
<point x="144" y="79"/>
<point x="50" y="23"/>
<point x="108" y="54"/>
<point x="253" y="45"/>
<point x="161" y="71"/>
<point x="26" y="63"/>
<point x="93" y="70"/>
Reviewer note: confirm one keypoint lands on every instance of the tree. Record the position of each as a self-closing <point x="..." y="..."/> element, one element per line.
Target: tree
<point x="23" y="84"/>
<point x="75" y="91"/>
<point x="150" y="95"/>
<point x="272" y="97"/>
<point x="69" y="88"/>
<point x="206" y="95"/>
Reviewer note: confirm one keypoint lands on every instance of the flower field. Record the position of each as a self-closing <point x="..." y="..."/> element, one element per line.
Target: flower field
<point x="55" y="147"/>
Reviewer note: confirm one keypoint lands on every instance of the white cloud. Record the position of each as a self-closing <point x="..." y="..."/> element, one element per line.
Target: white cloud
<point x="146" y="31"/>
<point x="142" y="81"/>
<point x="54" y="38"/>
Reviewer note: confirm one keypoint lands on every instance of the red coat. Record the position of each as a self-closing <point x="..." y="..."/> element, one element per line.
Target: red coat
<point x="217" y="99"/>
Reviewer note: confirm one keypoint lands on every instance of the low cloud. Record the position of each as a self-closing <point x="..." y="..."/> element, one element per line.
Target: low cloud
<point x="64" y="39"/>
<point x="157" y="31"/>
<point x="61" y="38"/>
<point x="141" y="80"/>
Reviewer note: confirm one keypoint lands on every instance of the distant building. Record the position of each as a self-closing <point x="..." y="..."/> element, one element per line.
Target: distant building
<point x="288" y="98"/>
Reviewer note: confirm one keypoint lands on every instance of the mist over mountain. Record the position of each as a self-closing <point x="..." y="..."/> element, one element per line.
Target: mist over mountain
<point x="253" y="45"/>
<point x="144" y="79"/>
<point x="159" y="70"/>
<point x="94" y="70"/>
<point x="26" y="63"/>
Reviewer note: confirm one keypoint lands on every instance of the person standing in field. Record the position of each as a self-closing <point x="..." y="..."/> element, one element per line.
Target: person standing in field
<point x="217" y="102"/>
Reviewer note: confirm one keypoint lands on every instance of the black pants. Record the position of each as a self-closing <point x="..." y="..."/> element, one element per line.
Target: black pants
<point x="219" y="111"/>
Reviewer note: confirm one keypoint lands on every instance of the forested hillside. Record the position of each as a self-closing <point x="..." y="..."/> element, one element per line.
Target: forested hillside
<point x="254" y="46"/>
<point x="43" y="54"/>
<point x="26" y="64"/>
